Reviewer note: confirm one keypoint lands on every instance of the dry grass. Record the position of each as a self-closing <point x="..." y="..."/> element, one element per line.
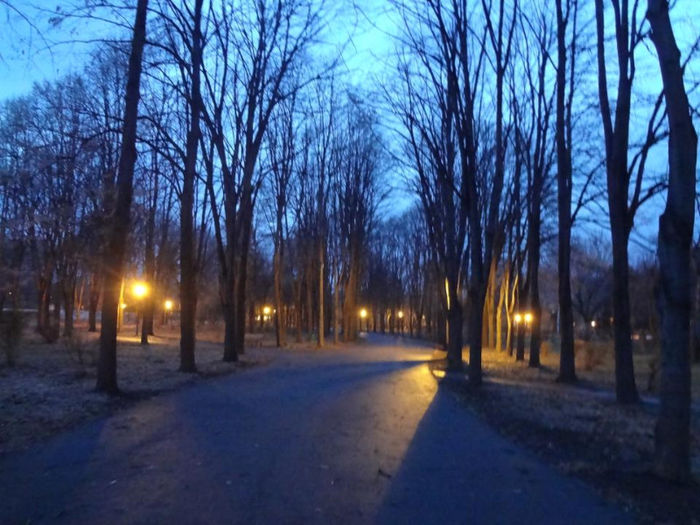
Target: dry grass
<point x="51" y="387"/>
<point x="583" y="431"/>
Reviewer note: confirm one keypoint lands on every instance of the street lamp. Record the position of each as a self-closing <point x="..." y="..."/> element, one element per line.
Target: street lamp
<point x="140" y="290"/>
<point x="518" y="318"/>
<point x="363" y="315"/>
<point x="528" y="318"/>
<point x="168" y="306"/>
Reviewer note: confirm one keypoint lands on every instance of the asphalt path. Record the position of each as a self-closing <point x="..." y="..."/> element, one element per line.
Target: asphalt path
<point x="360" y="435"/>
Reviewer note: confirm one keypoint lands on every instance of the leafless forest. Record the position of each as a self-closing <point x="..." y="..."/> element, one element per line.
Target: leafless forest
<point x="215" y="166"/>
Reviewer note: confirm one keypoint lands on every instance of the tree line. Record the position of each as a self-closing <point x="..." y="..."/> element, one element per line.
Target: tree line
<point x="222" y="138"/>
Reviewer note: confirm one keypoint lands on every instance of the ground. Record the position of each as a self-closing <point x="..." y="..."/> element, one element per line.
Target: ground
<point x="52" y="386"/>
<point x="352" y="433"/>
<point x="582" y="431"/>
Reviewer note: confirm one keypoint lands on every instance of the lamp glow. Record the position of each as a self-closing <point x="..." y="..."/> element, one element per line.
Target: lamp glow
<point x="168" y="304"/>
<point x="139" y="290"/>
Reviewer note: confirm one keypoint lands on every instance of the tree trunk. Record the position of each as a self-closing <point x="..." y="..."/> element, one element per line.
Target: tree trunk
<point x="93" y="302"/>
<point x="499" y="312"/>
<point x="533" y="268"/>
<point x="280" y="328"/>
<point x="121" y="218"/>
<point x="625" y="385"/>
<point x="321" y="292"/>
<point x="567" y="364"/>
<point x="188" y="265"/>
<point x="336" y="310"/>
<point x="150" y="261"/>
<point x="672" y="439"/>
<point x="297" y="310"/>
<point x="69" y="304"/>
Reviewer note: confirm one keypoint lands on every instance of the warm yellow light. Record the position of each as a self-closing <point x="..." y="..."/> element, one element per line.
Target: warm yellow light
<point x="122" y="306"/>
<point x="139" y="290"/>
<point x="528" y="317"/>
<point x="518" y="318"/>
<point x="400" y="314"/>
<point x="168" y="304"/>
<point x="267" y="310"/>
<point x="593" y="324"/>
<point x="363" y="313"/>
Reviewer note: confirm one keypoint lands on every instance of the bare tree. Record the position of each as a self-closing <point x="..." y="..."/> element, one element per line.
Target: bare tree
<point x="116" y="245"/>
<point x="672" y="451"/>
<point x="620" y="173"/>
<point x="567" y="13"/>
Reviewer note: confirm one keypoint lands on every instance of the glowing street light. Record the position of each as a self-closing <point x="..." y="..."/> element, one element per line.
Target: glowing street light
<point x="400" y="314"/>
<point x="363" y="315"/>
<point x="267" y="310"/>
<point x="122" y="306"/>
<point x="528" y="318"/>
<point x="140" y="290"/>
<point x="593" y="324"/>
<point x="168" y="306"/>
<point x="518" y="318"/>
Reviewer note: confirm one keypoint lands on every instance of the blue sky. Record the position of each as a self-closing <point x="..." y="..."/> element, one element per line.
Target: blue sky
<point x="35" y="50"/>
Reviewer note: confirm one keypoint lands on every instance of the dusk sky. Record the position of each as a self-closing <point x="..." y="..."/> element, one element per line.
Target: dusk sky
<point x="39" y="51"/>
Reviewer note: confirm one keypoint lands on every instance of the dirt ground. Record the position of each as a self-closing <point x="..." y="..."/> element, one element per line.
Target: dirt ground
<point x="584" y="432"/>
<point x="51" y="387"/>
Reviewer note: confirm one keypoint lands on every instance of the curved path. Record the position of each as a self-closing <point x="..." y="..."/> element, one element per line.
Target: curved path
<point x="358" y="435"/>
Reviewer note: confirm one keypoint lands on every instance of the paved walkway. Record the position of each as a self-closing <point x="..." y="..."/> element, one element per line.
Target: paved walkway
<point x="359" y="435"/>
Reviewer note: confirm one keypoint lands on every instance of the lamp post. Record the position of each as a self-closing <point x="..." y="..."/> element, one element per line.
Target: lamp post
<point x="168" y="307"/>
<point x="140" y="290"/>
<point x="399" y="314"/>
<point x="363" y="316"/>
<point x="265" y="316"/>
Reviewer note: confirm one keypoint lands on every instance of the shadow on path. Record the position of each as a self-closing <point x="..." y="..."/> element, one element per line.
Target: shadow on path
<point x="459" y="470"/>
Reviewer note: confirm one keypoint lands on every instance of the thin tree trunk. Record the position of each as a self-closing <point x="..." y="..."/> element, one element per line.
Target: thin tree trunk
<point x="93" y="302"/>
<point x="121" y="218"/>
<point x="188" y="265"/>
<point x="321" y="292"/>
<point x="280" y="328"/>
<point x="336" y="310"/>
<point x="499" y="311"/>
<point x="69" y="304"/>
<point x="567" y="364"/>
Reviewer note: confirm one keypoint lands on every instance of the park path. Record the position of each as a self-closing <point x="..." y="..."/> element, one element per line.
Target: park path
<point x="358" y="435"/>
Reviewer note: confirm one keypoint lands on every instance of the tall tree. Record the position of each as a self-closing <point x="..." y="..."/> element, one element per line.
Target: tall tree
<point x="113" y="264"/>
<point x="567" y="11"/>
<point x="672" y="439"/>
